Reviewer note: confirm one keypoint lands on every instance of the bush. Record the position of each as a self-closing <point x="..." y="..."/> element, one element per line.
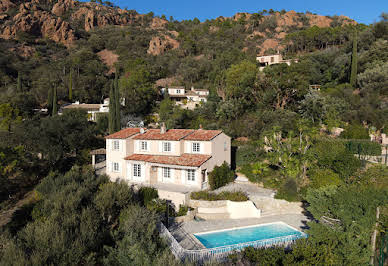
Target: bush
<point x="147" y="194"/>
<point x="363" y="147"/>
<point x="355" y="132"/>
<point x="323" y="177"/>
<point x="182" y="210"/>
<point x="288" y="191"/>
<point x="220" y="176"/>
<point x="225" y="195"/>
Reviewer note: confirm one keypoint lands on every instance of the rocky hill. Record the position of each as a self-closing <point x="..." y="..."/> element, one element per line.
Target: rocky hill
<point x="65" y="21"/>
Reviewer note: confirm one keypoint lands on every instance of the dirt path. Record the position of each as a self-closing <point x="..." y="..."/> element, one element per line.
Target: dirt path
<point x="6" y="216"/>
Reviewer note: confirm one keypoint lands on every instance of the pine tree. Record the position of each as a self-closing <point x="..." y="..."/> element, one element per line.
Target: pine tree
<point x="112" y="110"/>
<point x="117" y="104"/>
<point x="19" y="82"/>
<point x="71" y="85"/>
<point x="55" y="106"/>
<point x="50" y="100"/>
<point x="353" y="72"/>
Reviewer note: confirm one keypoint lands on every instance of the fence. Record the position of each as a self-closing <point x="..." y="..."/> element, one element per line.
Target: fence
<point x="220" y="253"/>
<point x="382" y="253"/>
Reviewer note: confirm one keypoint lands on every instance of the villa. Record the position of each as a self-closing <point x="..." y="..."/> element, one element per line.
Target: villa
<point x="92" y="109"/>
<point x="268" y="60"/>
<point x="187" y="99"/>
<point x="175" y="161"/>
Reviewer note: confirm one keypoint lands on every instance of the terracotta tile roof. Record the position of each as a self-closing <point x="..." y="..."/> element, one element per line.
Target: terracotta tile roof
<point x="203" y="135"/>
<point x="194" y="160"/>
<point x="171" y="134"/>
<point x="86" y="106"/>
<point x="124" y="133"/>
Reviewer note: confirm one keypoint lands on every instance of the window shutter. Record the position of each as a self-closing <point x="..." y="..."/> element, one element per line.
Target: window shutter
<point x="183" y="176"/>
<point x="201" y="147"/>
<point x="172" y="146"/>
<point x="109" y="166"/>
<point x="172" y="177"/>
<point x="120" y="170"/>
<point x="129" y="170"/>
<point x="188" y="147"/>
<point x="137" y="145"/>
<point x="159" y="174"/>
<point x="160" y="146"/>
<point x="121" y="145"/>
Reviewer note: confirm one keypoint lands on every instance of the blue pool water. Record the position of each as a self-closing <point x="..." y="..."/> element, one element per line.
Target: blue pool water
<point x="247" y="234"/>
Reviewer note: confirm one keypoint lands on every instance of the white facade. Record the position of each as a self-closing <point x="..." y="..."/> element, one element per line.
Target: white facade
<point x="178" y="162"/>
<point x="268" y="60"/>
<point x="187" y="99"/>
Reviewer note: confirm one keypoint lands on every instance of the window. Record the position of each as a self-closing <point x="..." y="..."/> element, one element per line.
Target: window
<point x="144" y="145"/>
<point x="137" y="170"/>
<point x="178" y="91"/>
<point x="116" y="145"/>
<point x="116" y="167"/>
<point x="166" y="146"/>
<point x="191" y="175"/>
<point x="196" y="147"/>
<point x="272" y="59"/>
<point x="166" y="172"/>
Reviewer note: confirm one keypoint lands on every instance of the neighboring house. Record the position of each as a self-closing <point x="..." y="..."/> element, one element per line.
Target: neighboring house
<point x="92" y="109"/>
<point x="174" y="160"/>
<point x="187" y="99"/>
<point x="268" y="60"/>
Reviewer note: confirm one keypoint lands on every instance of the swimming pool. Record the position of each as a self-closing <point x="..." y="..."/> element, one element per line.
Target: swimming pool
<point x="268" y="233"/>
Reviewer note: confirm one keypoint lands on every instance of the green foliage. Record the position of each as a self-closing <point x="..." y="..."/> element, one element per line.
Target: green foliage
<point x="225" y="195"/>
<point x="363" y="148"/>
<point x="71" y="85"/>
<point x="355" y="131"/>
<point x="8" y="116"/>
<point x="272" y="256"/>
<point x="220" y="176"/>
<point x="55" y="103"/>
<point x="147" y="194"/>
<point x="112" y="111"/>
<point x="288" y="191"/>
<point x="321" y="177"/>
<point x="183" y="209"/>
<point x="353" y="71"/>
<point x="117" y="106"/>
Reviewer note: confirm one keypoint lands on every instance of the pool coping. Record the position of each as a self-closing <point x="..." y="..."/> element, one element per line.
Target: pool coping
<point x="193" y="236"/>
<point x="243" y="227"/>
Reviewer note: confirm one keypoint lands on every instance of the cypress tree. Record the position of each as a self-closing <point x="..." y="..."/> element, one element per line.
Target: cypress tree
<point x="112" y="110"/>
<point x="353" y="72"/>
<point x="55" y="106"/>
<point x="50" y="100"/>
<point x="71" y="85"/>
<point x="117" y="104"/>
<point x="19" y="82"/>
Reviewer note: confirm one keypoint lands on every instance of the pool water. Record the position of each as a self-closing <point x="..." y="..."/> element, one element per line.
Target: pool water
<point x="247" y="234"/>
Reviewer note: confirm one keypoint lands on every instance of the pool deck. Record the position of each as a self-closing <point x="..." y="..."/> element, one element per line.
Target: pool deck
<point x="183" y="233"/>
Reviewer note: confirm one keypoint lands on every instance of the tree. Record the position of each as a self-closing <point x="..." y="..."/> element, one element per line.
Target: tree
<point x="19" y="82"/>
<point x="71" y="85"/>
<point x="117" y="103"/>
<point x="55" y="102"/>
<point x="220" y="176"/>
<point x="112" y="110"/>
<point x="353" y="73"/>
<point x="8" y="116"/>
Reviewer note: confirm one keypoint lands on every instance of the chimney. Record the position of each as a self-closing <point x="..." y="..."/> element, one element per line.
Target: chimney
<point x="192" y="88"/>
<point x="200" y="126"/>
<point x="142" y="130"/>
<point x="163" y="128"/>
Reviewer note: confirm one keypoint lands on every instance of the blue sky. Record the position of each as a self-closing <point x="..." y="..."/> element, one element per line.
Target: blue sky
<point x="365" y="11"/>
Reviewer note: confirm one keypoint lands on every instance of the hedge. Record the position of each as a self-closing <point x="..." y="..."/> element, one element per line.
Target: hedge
<point x="363" y="147"/>
<point x="225" y="195"/>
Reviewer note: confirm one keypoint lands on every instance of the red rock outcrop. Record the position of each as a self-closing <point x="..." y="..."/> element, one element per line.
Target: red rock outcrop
<point x="109" y="58"/>
<point x="160" y="44"/>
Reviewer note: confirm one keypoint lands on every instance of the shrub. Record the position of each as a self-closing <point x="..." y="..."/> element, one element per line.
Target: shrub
<point x="355" y="132"/>
<point x="225" y="195"/>
<point x="183" y="210"/>
<point x="324" y="177"/>
<point x="363" y="147"/>
<point x="288" y="191"/>
<point x="220" y="176"/>
<point x="147" y="194"/>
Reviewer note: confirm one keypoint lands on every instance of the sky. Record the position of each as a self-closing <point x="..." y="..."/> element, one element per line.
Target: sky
<point x="365" y="11"/>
